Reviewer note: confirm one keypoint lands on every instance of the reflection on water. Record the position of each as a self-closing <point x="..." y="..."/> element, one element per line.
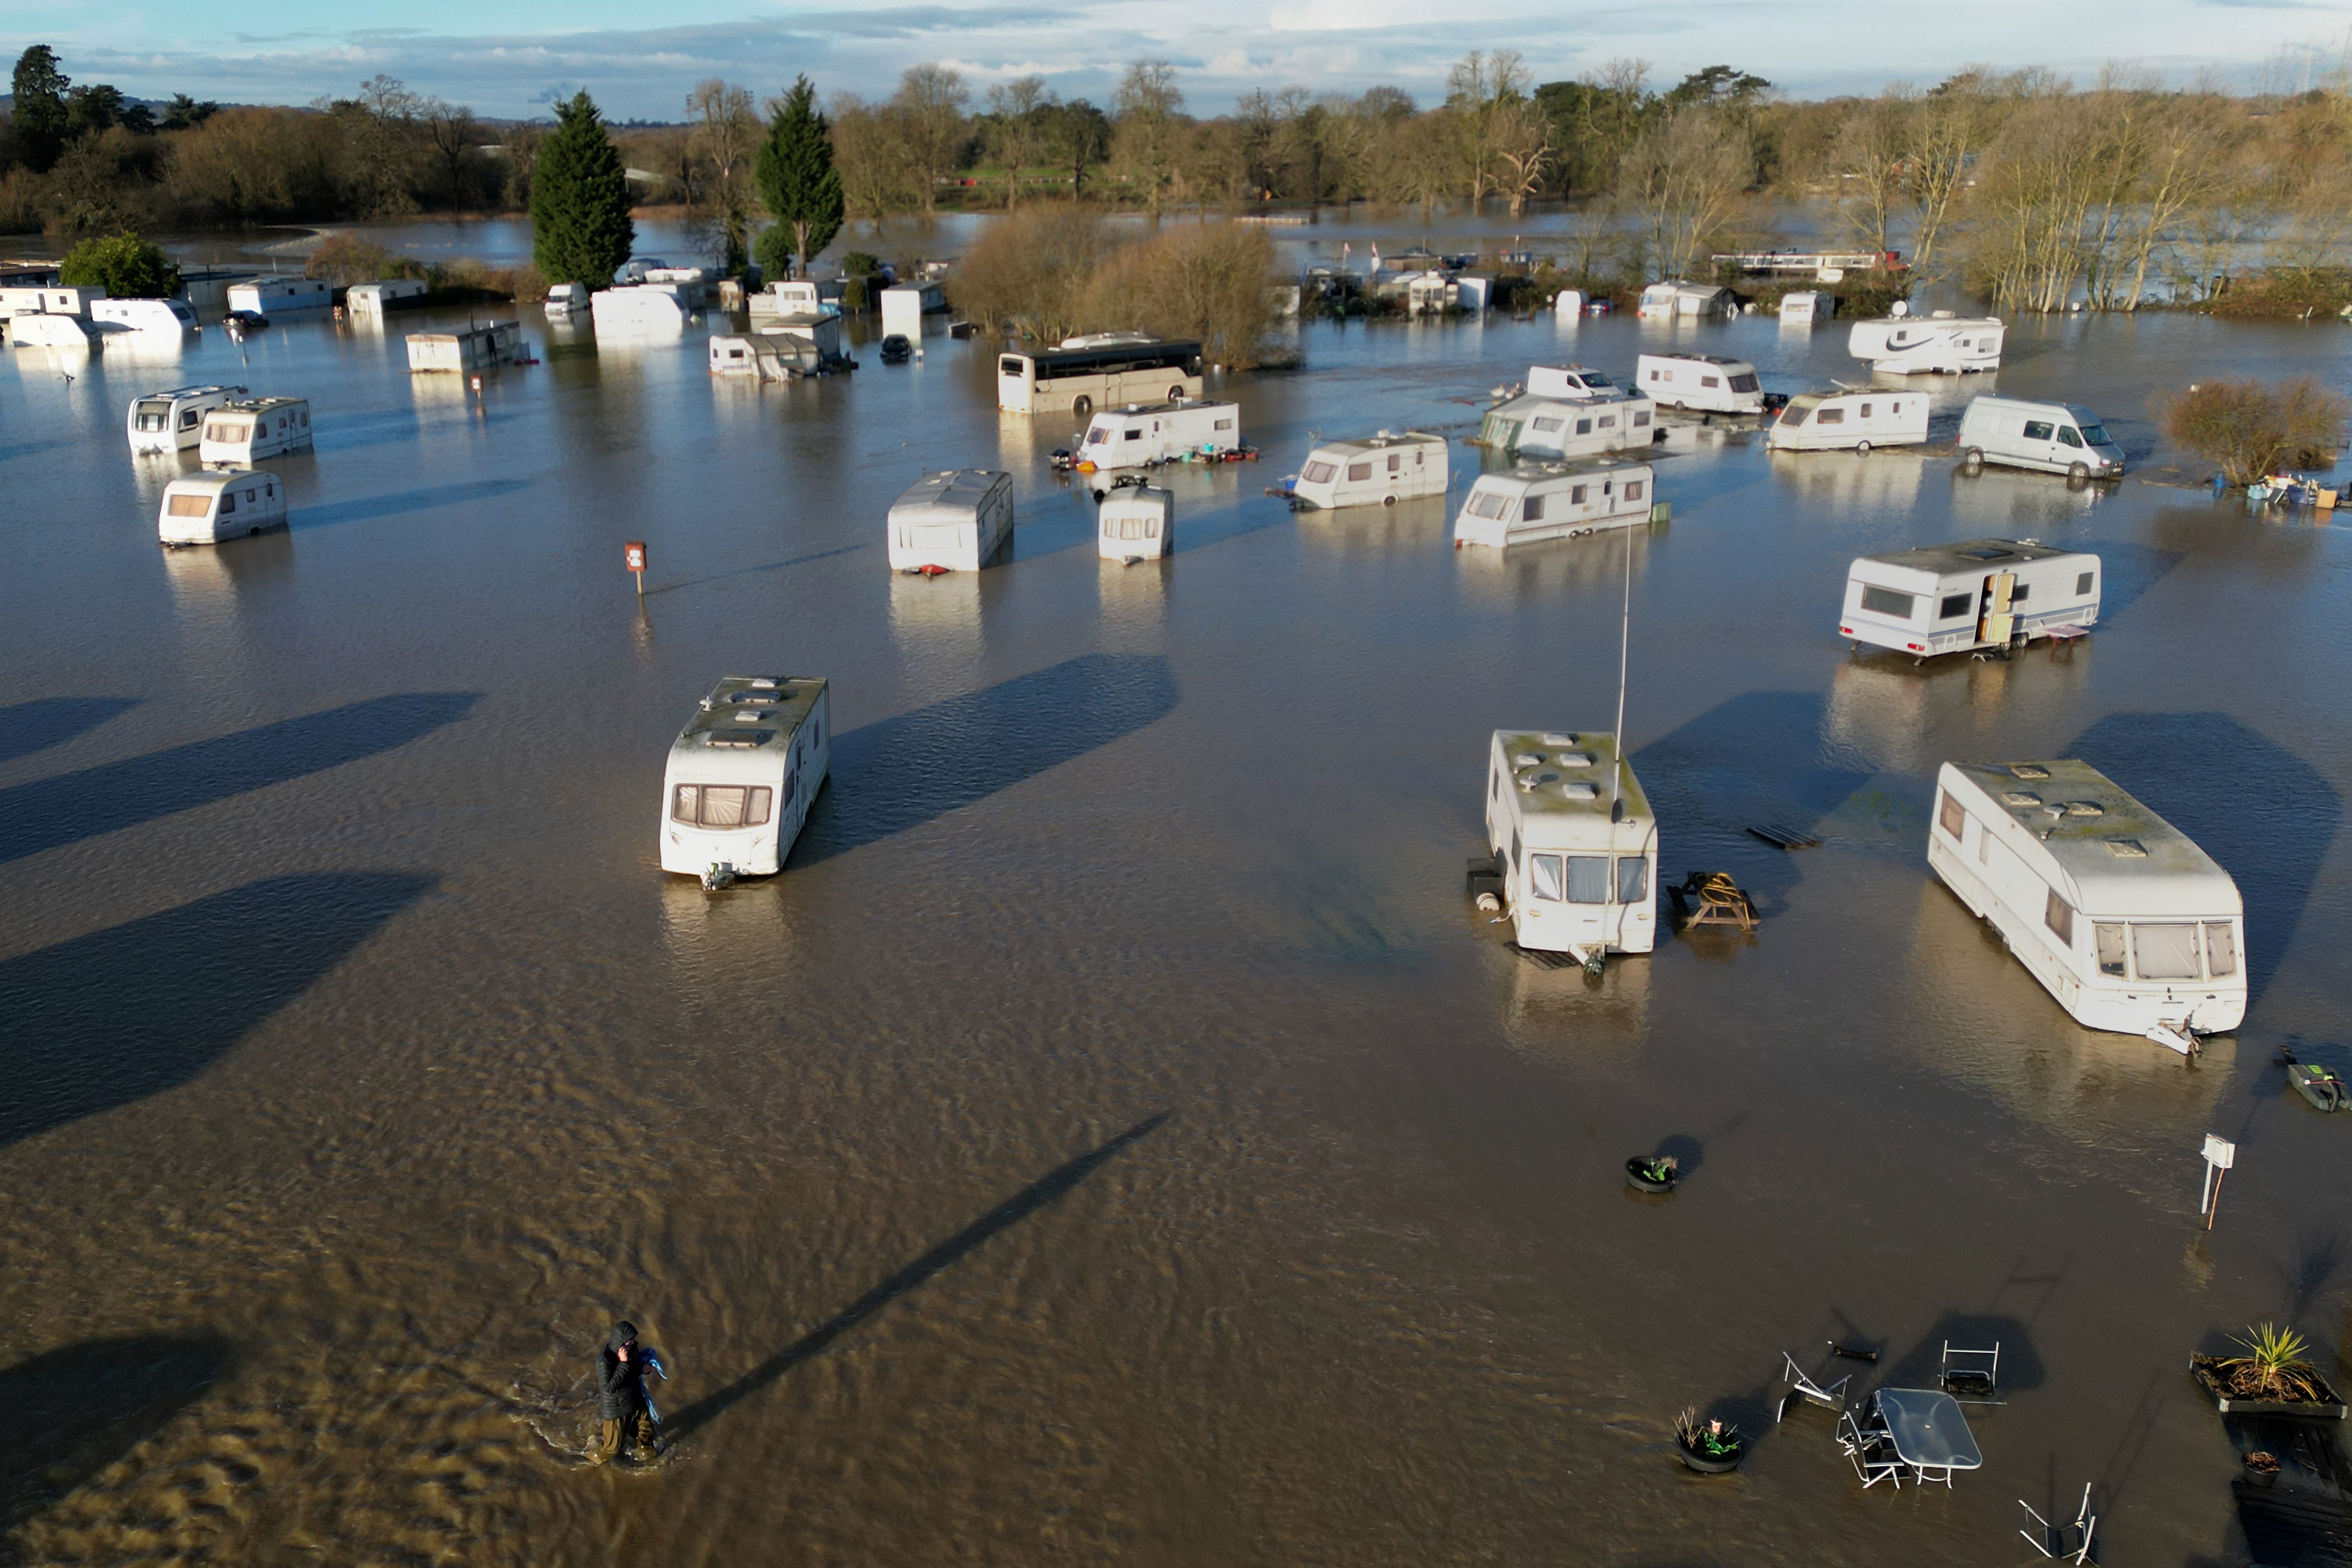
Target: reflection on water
<point x="1574" y="1019"/>
<point x="1525" y="574"/>
<point x="2012" y="503"/>
<point x="935" y="622"/>
<point x="1886" y="481"/>
<point x="1417" y="525"/>
<point x="1912" y="718"/>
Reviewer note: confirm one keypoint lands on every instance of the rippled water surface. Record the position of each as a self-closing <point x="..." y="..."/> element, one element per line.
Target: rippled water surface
<point x="1116" y="1136"/>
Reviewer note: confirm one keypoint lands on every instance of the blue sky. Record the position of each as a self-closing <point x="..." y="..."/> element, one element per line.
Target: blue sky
<point x="511" y="57"/>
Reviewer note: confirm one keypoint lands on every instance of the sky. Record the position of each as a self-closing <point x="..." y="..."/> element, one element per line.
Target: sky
<point x="513" y="58"/>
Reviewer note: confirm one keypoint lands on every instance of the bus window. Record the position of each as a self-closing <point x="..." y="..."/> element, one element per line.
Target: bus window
<point x="1017" y="368"/>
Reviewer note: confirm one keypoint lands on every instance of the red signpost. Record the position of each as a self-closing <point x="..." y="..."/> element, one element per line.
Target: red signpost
<point x="635" y="553"/>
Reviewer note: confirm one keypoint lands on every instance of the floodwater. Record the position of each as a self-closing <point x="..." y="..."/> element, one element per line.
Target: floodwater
<point x="1116" y="1136"/>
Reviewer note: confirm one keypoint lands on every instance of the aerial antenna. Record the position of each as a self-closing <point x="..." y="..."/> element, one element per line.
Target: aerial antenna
<point x="1624" y="642"/>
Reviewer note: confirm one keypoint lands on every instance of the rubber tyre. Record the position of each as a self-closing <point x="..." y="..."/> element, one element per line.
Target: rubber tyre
<point x="1861" y="449"/>
<point x="1972" y="460"/>
<point x="1175" y="394"/>
<point x="1387" y="500"/>
<point x="2079" y="474"/>
<point x="1082" y="407"/>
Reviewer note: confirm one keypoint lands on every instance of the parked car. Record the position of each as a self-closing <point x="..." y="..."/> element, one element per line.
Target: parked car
<point x="897" y="350"/>
<point x="240" y="322"/>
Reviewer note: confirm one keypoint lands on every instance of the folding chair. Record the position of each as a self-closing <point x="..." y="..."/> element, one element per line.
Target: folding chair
<point x="2071" y="1540"/>
<point x="1972" y="1377"/>
<point x="1871" y="1449"/>
<point x="1803" y="1388"/>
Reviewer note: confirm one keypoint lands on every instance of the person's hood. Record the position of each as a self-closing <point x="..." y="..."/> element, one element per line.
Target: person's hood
<point x="624" y="1333"/>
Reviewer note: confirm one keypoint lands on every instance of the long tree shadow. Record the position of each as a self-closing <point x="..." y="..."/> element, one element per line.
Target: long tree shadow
<point x="75" y="1410"/>
<point x="28" y="727"/>
<point x="2270" y="828"/>
<point x="123" y="1014"/>
<point x="48" y="813"/>
<point x="903" y="772"/>
<point x="2126" y="572"/>
<point x="1011" y="1212"/>
<point x="369" y="508"/>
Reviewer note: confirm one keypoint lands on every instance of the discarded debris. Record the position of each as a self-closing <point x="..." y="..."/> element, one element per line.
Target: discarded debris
<point x="1782" y="838"/>
<point x="1718" y="900"/>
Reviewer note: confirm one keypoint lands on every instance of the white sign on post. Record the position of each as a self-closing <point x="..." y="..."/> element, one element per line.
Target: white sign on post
<point x="2219" y="1152"/>
<point x="2220" y="1156"/>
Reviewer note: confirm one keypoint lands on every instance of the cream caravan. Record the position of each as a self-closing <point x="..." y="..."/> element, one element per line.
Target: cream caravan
<point x="954" y="521"/>
<point x="1144" y="434"/>
<point x="471" y="349"/>
<point x="1574" y="841"/>
<point x="1553" y="501"/>
<point x="1940" y="344"/>
<point x="241" y="433"/>
<point x="166" y="318"/>
<point x="743" y="775"/>
<point x="1848" y="421"/>
<point x="52" y="330"/>
<point x="1706" y="383"/>
<point x="205" y="509"/>
<point x="281" y="296"/>
<point x="1673" y="300"/>
<point x="1385" y="469"/>
<point x="1542" y="426"/>
<point x="173" y="421"/>
<point x="1136" y="523"/>
<point x="2117" y="912"/>
<point x="1981" y="593"/>
<point x="386" y="294"/>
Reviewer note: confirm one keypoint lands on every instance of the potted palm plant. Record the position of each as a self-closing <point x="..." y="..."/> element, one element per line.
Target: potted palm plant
<point x="1710" y="1448"/>
<point x="1653" y="1172"/>
<point x="2271" y="1379"/>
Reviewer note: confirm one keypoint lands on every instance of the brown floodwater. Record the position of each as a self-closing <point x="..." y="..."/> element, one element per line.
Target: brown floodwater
<point x="1115" y="1136"/>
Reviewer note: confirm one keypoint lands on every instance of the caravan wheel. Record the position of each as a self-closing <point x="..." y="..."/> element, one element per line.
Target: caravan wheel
<point x="1175" y="394"/>
<point x="1861" y="449"/>
<point x="1387" y="500"/>
<point x="1082" y="407"/>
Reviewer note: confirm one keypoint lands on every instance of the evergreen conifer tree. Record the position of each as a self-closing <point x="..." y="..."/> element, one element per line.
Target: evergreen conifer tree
<point x="39" y="112"/>
<point x="580" y="231"/>
<point x="798" y="182"/>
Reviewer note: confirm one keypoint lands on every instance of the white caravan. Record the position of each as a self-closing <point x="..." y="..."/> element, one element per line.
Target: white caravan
<point x="1674" y="299"/>
<point x="49" y="298"/>
<point x="1848" y="421"/>
<point x="1955" y="598"/>
<point x="1940" y="344"/>
<point x="1147" y="433"/>
<point x="1707" y="383"/>
<point x="239" y="433"/>
<point x="280" y="296"/>
<point x="205" y="509"/>
<point x="52" y="330"/>
<point x="1137" y="522"/>
<point x="2118" y="913"/>
<point x="743" y="775"/>
<point x="954" y="521"/>
<point x="174" y="420"/>
<point x="168" y="317"/>
<point x="1387" y="468"/>
<point x="761" y="357"/>
<point x="1807" y="306"/>
<point x="385" y="294"/>
<point x="1553" y="501"/>
<point x="1562" y="428"/>
<point x="642" y="309"/>
<point x="565" y="299"/>
<point x="2057" y="438"/>
<point x="1573" y="837"/>
<point x="471" y="348"/>
<point x="904" y="306"/>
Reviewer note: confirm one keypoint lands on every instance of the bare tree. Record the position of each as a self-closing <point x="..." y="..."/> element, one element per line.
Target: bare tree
<point x="1948" y="128"/>
<point x="1521" y="137"/>
<point x="1018" y="132"/>
<point x="928" y="110"/>
<point x="725" y="131"/>
<point x="454" y="132"/>
<point x="1684" y="176"/>
<point x="1870" y="164"/>
<point x="1477" y="91"/>
<point x="1149" y="135"/>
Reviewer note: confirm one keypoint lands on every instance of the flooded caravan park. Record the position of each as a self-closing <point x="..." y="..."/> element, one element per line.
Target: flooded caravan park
<point x="1116" y="1136"/>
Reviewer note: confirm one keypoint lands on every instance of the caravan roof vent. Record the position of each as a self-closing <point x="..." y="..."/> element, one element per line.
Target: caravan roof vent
<point x="2020" y="797"/>
<point x="2028" y="771"/>
<point x="1581" y="789"/>
<point x="1576" y="759"/>
<point x="2127" y="849"/>
<point x="739" y="737"/>
<point x="1552" y="738"/>
<point x="754" y="715"/>
<point x="1526" y="759"/>
<point x="1988" y="553"/>
<point x="2085" y="808"/>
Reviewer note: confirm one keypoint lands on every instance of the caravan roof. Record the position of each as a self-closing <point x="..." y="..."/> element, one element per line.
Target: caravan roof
<point x="1562" y="780"/>
<point x="1969" y="556"/>
<point x="2121" y="858"/>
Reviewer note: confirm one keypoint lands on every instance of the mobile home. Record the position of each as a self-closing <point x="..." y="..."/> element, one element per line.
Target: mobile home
<point x="1574" y="839"/>
<point x="207" y="508"/>
<point x="49" y="298"/>
<point x="904" y="306"/>
<point x="1568" y="305"/>
<point x="1691" y="301"/>
<point x="1387" y="468"/>
<point x="743" y="775"/>
<point x="242" y="432"/>
<point x="386" y="294"/>
<point x="1940" y="344"/>
<point x="761" y="357"/>
<point x="815" y="332"/>
<point x="52" y="330"/>
<point x="1707" y="383"/>
<point x="1146" y="433"/>
<point x="170" y="317"/>
<point x="2118" y="914"/>
<point x="1843" y="421"/>
<point x="1807" y="306"/>
<point x="955" y="520"/>
<point x="1136" y="523"/>
<point x="798" y="297"/>
<point x="173" y="421"/>
<point x="1559" y="428"/>
<point x="468" y="349"/>
<point x="280" y="296"/>
<point x="1980" y="593"/>
<point x="1553" y="501"/>
<point x="640" y="309"/>
<point x="2056" y="437"/>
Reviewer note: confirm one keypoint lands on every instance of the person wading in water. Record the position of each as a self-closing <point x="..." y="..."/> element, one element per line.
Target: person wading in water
<point x="621" y="1399"/>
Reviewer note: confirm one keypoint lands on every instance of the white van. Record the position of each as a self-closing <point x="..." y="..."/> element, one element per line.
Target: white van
<point x="565" y="299"/>
<point x="1980" y="593"/>
<point x="172" y="318"/>
<point x="1707" y="383"/>
<point x="1553" y="501"/>
<point x="1387" y="468"/>
<point x="1143" y="434"/>
<point x="173" y="421"/>
<point x="280" y="296"/>
<point x="954" y="521"/>
<point x="2118" y="914"/>
<point x="1574" y="837"/>
<point x="2057" y="438"/>
<point x="1848" y="421"/>
<point x="743" y="775"/>
<point x="1573" y="384"/>
<point x="205" y="509"/>
<point x="241" y="433"/>
<point x="1136" y="523"/>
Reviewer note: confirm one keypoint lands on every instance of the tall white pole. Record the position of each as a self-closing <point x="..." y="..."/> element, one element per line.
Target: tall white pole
<point x="1624" y="640"/>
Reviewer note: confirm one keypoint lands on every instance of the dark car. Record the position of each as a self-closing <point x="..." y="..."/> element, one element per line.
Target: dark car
<point x="243" y="322"/>
<point x="897" y="350"/>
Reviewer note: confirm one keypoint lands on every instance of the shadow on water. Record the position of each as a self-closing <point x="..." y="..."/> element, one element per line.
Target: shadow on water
<point x="751" y="570"/>
<point x="1010" y="1212"/>
<point x="902" y="773"/>
<point x="2270" y="829"/>
<point x="2020" y="1366"/>
<point x="28" y="727"/>
<point x="48" y="813"/>
<point x="112" y="1017"/>
<point x="75" y="1410"/>
<point x="368" y="509"/>
<point x="2126" y="572"/>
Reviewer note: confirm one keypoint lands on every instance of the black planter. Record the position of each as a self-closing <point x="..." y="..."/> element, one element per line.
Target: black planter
<point x="1710" y="1464"/>
<point x="2260" y="1477"/>
<point x="1639" y="1182"/>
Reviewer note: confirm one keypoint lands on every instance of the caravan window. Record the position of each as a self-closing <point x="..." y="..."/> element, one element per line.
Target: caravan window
<point x="2164" y="952"/>
<point x="1864" y="412"/>
<point x="151" y="419"/>
<point x="1955" y="605"/>
<point x="192" y="418"/>
<point x="1708" y="381"/>
<point x="1887" y="602"/>
<point x="1744" y="384"/>
<point x="1588" y="879"/>
<point x="1359" y="471"/>
<point x="1642" y="418"/>
<point x="2059" y="916"/>
<point x="2067" y="435"/>
<point x="2220" y="950"/>
<point x="1543" y="877"/>
<point x="1584" y="427"/>
<point x="1096" y="436"/>
<point x="1792" y="417"/>
<point x="2037" y="429"/>
<point x="1531" y="510"/>
<point x="1576" y="495"/>
<point x="186" y="505"/>
<point x="2017" y="594"/>
<point x="1632" y="880"/>
<point x="1830" y="416"/>
<point x="721" y="805"/>
<point x="1135" y="435"/>
<point x="1490" y="503"/>
<point x="1634" y="490"/>
<point x="2109" y="940"/>
<point x="1396" y="461"/>
<point x="1951" y="817"/>
<point x="1550" y="423"/>
<point x="1317" y="473"/>
<point x="228" y="502"/>
<point x="2083" y="583"/>
<point x="1609" y="422"/>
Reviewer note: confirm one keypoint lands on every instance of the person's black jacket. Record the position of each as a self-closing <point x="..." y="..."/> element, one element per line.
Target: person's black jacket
<point x="621" y="1384"/>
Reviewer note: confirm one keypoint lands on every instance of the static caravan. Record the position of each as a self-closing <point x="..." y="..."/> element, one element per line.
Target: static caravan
<point x="1146" y="433"/>
<point x="471" y="348"/>
<point x="1955" y="598"/>
<point x="1137" y="522"/>
<point x="1848" y="421"/>
<point x="743" y="775"/>
<point x="816" y="332"/>
<point x="173" y="421"/>
<point x="280" y="296"/>
<point x="1940" y="344"/>
<point x="1574" y="837"/>
<point x="170" y="317"/>
<point x="205" y="509"/>
<point x="1557" y="428"/>
<point x="2056" y="437"/>
<point x="1808" y="306"/>
<point x="641" y="310"/>
<point x="52" y="331"/>
<point x="386" y="294"/>
<point x="1553" y="501"/>
<point x="955" y="520"/>
<point x="49" y="298"/>
<point x="565" y="299"/>
<point x="1387" y="468"/>
<point x="242" y="432"/>
<point x="1707" y="383"/>
<point x="797" y="297"/>
<point x="1568" y="304"/>
<point x="1691" y="300"/>
<point x="2119" y="914"/>
<point x="904" y="306"/>
<point x="760" y="356"/>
